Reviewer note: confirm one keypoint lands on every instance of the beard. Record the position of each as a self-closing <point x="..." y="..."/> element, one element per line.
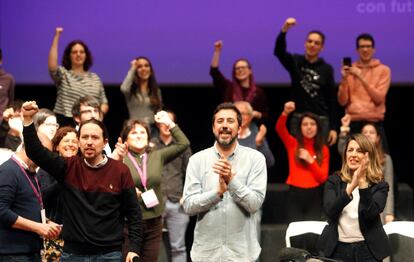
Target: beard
<point x="225" y="142"/>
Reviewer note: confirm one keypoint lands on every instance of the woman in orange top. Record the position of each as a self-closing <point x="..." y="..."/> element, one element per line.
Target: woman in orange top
<point x="308" y="158"/>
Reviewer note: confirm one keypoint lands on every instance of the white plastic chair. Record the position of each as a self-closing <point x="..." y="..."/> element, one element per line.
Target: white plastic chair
<point x="402" y="249"/>
<point x="303" y="227"/>
<point x="405" y="228"/>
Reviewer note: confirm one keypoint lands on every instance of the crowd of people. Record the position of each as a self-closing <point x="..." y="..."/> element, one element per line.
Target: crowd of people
<point x="65" y="195"/>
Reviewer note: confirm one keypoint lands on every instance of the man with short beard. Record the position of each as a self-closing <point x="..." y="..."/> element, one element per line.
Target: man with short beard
<point x="225" y="185"/>
<point x="98" y="194"/>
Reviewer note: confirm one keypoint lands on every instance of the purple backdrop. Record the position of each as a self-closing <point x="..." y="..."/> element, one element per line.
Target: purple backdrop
<point x="178" y="35"/>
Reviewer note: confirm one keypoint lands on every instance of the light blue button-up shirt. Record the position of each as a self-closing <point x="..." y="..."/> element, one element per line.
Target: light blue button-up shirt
<point x="226" y="228"/>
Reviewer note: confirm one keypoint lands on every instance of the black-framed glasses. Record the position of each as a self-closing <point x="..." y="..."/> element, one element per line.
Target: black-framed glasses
<point x="365" y="46"/>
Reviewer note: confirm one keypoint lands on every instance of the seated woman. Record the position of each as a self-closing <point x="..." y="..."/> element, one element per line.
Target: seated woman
<point x="353" y="201"/>
<point x="371" y="131"/>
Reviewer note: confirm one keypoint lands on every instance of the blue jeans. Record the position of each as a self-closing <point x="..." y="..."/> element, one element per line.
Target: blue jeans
<point x="20" y="258"/>
<point x="176" y="221"/>
<point x="115" y="256"/>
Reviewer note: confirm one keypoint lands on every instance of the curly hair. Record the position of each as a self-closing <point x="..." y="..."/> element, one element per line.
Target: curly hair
<point x="67" y="62"/>
<point x="60" y="134"/>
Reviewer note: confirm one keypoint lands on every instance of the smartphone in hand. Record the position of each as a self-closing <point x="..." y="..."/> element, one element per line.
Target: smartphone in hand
<point x="347" y="61"/>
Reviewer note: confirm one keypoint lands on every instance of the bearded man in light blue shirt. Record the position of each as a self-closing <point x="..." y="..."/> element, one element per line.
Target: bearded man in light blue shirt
<point x="225" y="185"/>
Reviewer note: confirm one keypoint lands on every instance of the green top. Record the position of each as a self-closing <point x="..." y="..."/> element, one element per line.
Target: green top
<point x="155" y="162"/>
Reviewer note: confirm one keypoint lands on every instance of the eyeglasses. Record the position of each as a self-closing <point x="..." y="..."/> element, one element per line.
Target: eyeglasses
<point x="365" y="46"/>
<point x="238" y="68"/>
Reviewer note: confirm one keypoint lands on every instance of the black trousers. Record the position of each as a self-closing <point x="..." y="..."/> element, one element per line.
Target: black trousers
<point x="353" y="252"/>
<point x="304" y="203"/>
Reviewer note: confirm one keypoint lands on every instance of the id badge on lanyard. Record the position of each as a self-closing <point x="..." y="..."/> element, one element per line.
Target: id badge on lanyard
<point x="149" y="197"/>
<point x="36" y="191"/>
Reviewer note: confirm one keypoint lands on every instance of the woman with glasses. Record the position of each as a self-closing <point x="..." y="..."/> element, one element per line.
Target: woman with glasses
<point x="242" y="87"/>
<point x="45" y="122"/>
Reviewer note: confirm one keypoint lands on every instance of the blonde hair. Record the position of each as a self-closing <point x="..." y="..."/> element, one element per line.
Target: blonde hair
<point x="374" y="170"/>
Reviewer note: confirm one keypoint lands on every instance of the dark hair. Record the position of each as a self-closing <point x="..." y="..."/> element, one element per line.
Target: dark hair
<point x="130" y="124"/>
<point x="172" y="113"/>
<point x="96" y="122"/>
<point x="16" y="104"/>
<point x="238" y="92"/>
<point x="365" y="36"/>
<point x="67" y="63"/>
<point x="155" y="99"/>
<point x="322" y="35"/>
<point x="227" y="106"/>
<point x="318" y="140"/>
<point x="240" y="60"/>
<point x="378" y="146"/>
<point x="60" y="134"/>
<point x="86" y="101"/>
<point x="1" y="54"/>
<point x="40" y="117"/>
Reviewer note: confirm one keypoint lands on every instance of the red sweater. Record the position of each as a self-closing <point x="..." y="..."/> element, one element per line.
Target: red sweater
<point x="311" y="175"/>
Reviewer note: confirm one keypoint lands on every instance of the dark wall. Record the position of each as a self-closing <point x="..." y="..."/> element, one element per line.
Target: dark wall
<point x="194" y="106"/>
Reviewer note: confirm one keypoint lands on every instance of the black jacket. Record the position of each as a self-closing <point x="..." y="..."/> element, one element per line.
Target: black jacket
<point x="371" y="204"/>
<point x="313" y="85"/>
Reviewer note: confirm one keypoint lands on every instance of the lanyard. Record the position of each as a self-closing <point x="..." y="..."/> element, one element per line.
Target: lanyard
<point x="35" y="191"/>
<point x="142" y="172"/>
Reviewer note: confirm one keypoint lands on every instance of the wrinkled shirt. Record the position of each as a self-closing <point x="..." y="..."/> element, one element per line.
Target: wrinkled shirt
<point x="226" y="228"/>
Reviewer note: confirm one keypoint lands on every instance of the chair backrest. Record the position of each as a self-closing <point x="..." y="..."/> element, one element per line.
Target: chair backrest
<point x="303" y="227"/>
<point x="405" y="228"/>
<point x="401" y="236"/>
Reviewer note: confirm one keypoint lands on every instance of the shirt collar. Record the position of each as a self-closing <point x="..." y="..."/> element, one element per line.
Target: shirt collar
<point x="236" y="149"/>
<point x="102" y="163"/>
<point x="25" y="166"/>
